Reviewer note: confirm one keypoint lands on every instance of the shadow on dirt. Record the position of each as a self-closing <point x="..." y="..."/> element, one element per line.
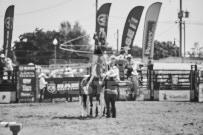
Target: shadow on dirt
<point x="78" y="117"/>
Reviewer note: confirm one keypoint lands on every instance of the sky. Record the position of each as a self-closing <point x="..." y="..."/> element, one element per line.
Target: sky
<point x="48" y="14"/>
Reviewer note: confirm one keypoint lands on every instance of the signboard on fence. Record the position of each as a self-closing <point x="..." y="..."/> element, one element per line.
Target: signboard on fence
<point x="174" y="95"/>
<point x="62" y="87"/>
<point x="27" y="83"/>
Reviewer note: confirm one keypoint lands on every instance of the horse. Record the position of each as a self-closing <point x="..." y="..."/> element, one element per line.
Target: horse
<point x="91" y="87"/>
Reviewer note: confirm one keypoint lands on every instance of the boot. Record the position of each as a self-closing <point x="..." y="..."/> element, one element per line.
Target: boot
<point x="91" y="111"/>
<point x="96" y="112"/>
<point x="104" y="111"/>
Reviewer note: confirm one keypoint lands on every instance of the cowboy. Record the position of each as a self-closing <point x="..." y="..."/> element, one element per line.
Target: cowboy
<point x="112" y="61"/>
<point x="9" y="67"/>
<point x="110" y="93"/>
<point x="121" y="65"/>
<point x="129" y="65"/>
<point x="134" y="83"/>
<point x="68" y="72"/>
<point x="2" y="65"/>
<point x="42" y="85"/>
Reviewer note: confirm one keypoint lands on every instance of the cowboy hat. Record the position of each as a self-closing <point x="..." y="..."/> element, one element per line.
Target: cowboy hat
<point x="134" y="72"/>
<point x="2" y="56"/>
<point x="42" y="75"/>
<point x="68" y="69"/>
<point x="112" y="57"/>
<point x="86" y="76"/>
<point x="129" y="56"/>
<point x="112" y="73"/>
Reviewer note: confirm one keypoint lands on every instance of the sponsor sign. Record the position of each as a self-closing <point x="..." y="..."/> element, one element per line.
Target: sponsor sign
<point x="200" y="92"/>
<point x="150" y="36"/>
<point x="131" y="26"/>
<point x="62" y="87"/>
<point x="27" y="82"/>
<point x="8" y="30"/>
<point x="101" y="28"/>
<point x="174" y="95"/>
<point x="150" y="23"/>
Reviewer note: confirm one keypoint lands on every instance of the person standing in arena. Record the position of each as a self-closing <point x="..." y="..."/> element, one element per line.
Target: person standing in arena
<point x="2" y="65"/>
<point x="42" y="85"/>
<point x="129" y="66"/>
<point x="110" y="93"/>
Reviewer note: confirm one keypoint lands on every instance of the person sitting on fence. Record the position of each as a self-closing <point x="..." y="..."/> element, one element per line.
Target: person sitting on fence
<point x="2" y="65"/>
<point x="68" y="72"/>
<point x="9" y="67"/>
<point x="42" y="86"/>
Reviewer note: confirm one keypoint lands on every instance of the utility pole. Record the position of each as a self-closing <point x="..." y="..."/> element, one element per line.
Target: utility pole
<point x="184" y="37"/>
<point x="180" y="16"/>
<point x="117" y="39"/>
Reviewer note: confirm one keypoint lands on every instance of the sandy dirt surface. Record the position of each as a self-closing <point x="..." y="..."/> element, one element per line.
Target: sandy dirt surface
<point x="133" y="118"/>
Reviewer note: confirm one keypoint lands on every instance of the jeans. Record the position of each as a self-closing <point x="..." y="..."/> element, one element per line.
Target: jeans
<point x="110" y="98"/>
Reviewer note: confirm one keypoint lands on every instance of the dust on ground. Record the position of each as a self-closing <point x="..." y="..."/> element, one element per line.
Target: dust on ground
<point x="133" y="118"/>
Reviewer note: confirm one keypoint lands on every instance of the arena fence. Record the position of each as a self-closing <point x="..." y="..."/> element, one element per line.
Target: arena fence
<point x="173" y="85"/>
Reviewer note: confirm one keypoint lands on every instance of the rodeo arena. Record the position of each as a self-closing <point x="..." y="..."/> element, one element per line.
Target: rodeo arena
<point x="112" y="94"/>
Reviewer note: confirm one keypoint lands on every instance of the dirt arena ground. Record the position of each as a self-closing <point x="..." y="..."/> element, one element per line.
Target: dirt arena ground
<point x="133" y="118"/>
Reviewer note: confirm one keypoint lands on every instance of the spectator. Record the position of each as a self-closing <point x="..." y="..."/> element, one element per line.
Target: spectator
<point x="129" y="65"/>
<point x="68" y="72"/>
<point x="42" y="86"/>
<point x="9" y="67"/>
<point x="2" y="65"/>
<point x="112" y="61"/>
<point x="134" y="80"/>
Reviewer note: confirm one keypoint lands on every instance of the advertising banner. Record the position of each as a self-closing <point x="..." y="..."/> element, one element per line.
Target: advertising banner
<point x="131" y="26"/>
<point x="8" y="29"/>
<point x="101" y="28"/>
<point x="27" y="83"/>
<point x="174" y="95"/>
<point x="62" y="87"/>
<point x="151" y="19"/>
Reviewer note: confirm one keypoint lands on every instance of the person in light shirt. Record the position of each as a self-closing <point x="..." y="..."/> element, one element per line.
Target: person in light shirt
<point x="68" y="72"/>
<point x="42" y="85"/>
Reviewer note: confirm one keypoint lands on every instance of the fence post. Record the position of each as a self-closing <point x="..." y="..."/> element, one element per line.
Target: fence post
<point x="194" y="82"/>
<point x="16" y="129"/>
<point x="150" y="77"/>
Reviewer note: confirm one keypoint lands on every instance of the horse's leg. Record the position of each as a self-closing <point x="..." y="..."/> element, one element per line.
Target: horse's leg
<point x="91" y="104"/>
<point x="87" y="104"/>
<point x="97" y="103"/>
<point x="81" y="104"/>
<point x="102" y="103"/>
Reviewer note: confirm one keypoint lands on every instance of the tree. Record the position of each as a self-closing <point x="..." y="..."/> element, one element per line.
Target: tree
<point x="136" y="51"/>
<point x="38" y="47"/>
<point x="165" y="49"/>
<point x="196" y="51"/>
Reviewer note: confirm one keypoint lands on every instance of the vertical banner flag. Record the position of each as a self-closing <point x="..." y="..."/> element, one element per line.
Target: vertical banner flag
<point x="8" y="29"/>
<point x="101" y="28"/>
<point x="151" y="19"/>
<point x="130" y="27"/>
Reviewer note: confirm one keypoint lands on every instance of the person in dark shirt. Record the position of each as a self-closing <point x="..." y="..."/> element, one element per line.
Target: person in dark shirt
<point x="110" y="93"/>
<point x="2" y="65"/>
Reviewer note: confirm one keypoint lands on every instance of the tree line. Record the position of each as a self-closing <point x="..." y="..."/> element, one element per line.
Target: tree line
<point x="37" y="47"/>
